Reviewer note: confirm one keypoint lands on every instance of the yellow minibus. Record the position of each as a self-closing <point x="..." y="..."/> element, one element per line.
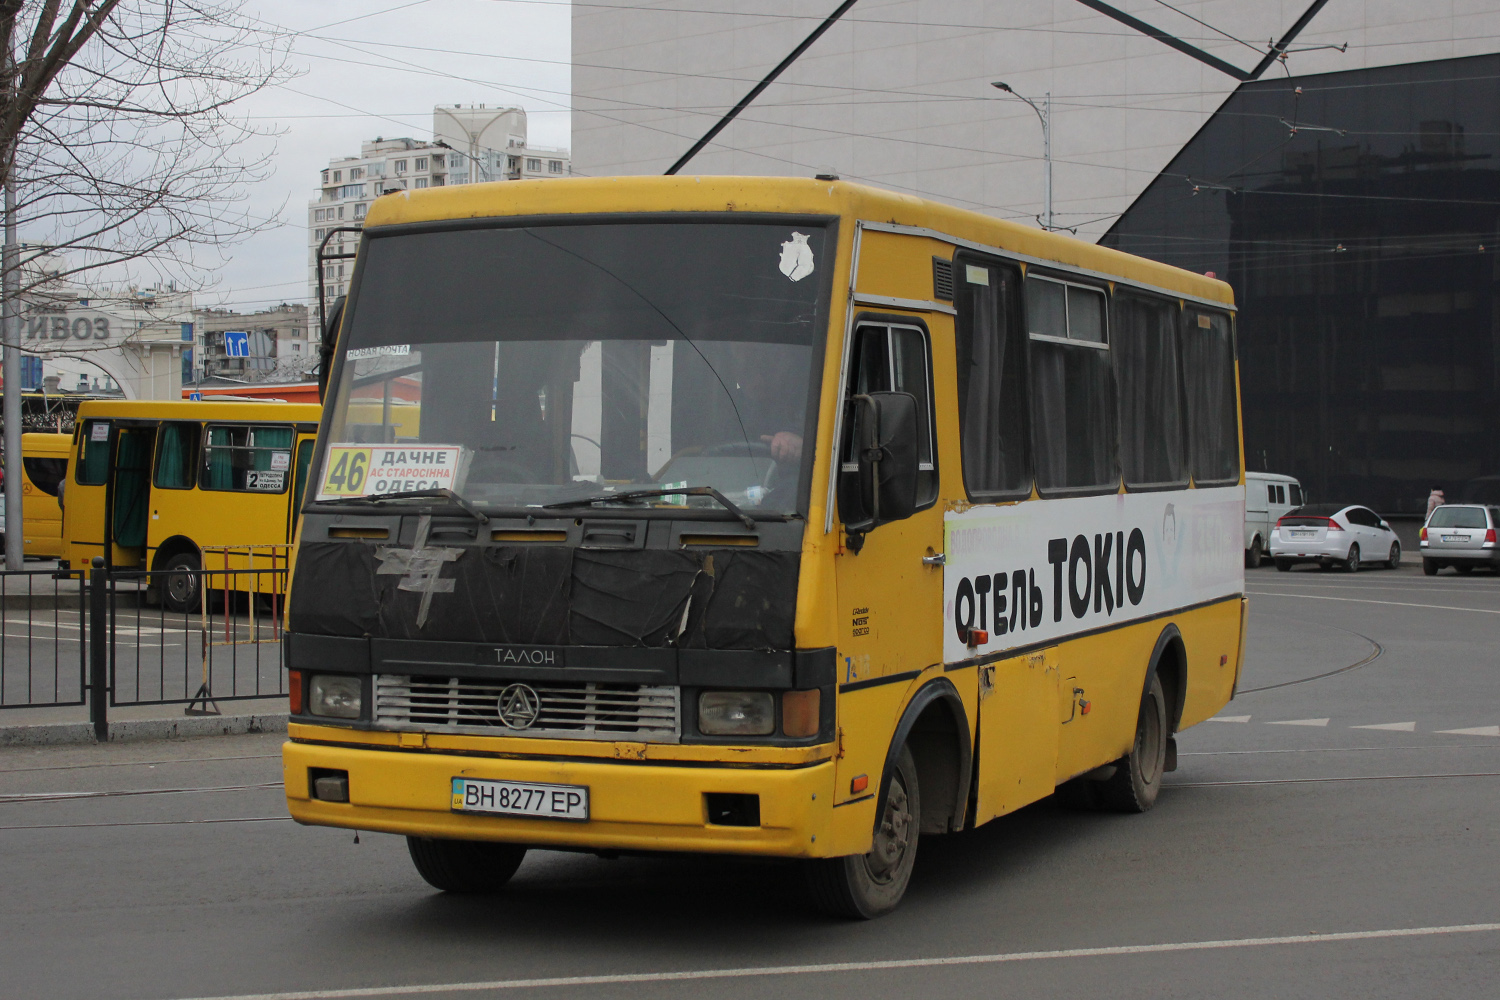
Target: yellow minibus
<point x="44" y="462"/>
<point x="152" y="484"/>
<point x="755" y="516"/>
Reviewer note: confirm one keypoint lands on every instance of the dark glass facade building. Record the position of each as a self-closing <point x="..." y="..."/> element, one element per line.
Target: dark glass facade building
<point x="1357" y="216"/>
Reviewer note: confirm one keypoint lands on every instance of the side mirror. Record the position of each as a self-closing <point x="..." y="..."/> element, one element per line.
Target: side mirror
<point x="328" y="340"/>
<point x="883" y="441"/>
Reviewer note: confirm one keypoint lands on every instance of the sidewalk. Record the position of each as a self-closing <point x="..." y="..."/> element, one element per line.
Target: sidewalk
<point x="59" y="726"/>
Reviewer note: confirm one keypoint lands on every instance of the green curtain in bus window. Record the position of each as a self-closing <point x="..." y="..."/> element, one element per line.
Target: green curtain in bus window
<point x="218" y="459"/>
<point x="175" y="457"/>
<point x="93" y="470"/>
<point x="132" y="492"/>
<point x="1208" y="369"/>
<point x="1150" y="391"/>
<point x="267" y="441"/>
<point x="299" y="484"/>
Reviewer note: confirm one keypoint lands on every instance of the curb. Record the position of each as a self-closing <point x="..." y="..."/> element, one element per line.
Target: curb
<point x="66" y="733"/>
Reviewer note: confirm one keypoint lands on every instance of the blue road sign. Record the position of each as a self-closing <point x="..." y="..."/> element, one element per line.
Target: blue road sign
<point x="237" y="343"/>
<point x="198" y="396"/>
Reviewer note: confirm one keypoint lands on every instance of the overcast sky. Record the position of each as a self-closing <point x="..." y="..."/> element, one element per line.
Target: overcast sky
<point x="376" y="68"/>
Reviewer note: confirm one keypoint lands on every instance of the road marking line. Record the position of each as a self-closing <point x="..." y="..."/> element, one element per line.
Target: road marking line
<point x="1478" y="731"/>
<point x="1353" y="777"/>
<point x="1395" y="727"/>
<point x="1364" y="600"/>
<point x="1300" y="722"/>
<point x="870" y="966"/>
<point x="1230" y="718"/>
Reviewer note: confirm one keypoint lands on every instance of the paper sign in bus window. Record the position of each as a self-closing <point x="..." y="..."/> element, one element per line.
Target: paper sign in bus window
<point x="356" y="470"/>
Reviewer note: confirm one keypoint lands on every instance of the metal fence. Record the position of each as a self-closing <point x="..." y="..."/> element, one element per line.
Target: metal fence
<point x="106" y="638"/>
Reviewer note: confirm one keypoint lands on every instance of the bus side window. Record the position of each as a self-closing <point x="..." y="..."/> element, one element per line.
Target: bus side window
<point x="252" y="459"/>
<point x="992" y="412"/>
<point x="1212" y="410"/>
<point x="1148" y="374"/>
<point x="177" y="455"/>
<point x="93" y="454"/>
<point x="892" y="358"/>
<point x="1072" y="387"/>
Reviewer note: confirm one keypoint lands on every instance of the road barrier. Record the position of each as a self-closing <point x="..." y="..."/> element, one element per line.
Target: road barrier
<point x="105" y="638"/>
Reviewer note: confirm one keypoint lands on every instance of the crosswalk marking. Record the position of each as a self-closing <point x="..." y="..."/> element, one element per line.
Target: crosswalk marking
<point x="1395" y="727"/>
<point x="1300" y="722"/>
<point x="1230" y="718"/>
<point x="1477" y="731"/>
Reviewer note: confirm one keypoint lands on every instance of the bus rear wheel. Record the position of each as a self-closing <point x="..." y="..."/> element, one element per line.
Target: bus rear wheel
<point x="864" y="886"/>
<point x="180" y="585"/>
<point x="1137" y="779"/>
<point x="464" y="865"/>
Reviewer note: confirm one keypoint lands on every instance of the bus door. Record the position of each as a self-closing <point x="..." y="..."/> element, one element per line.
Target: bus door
<point x="300" y="464"/>
<point x="129" y="495"/>
<point x="889" y="600"/>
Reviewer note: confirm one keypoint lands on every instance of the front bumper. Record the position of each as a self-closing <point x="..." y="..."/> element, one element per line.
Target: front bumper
<point x="634" y="806"/>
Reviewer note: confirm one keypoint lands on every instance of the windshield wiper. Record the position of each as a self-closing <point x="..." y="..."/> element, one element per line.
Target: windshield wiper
<point x="695" y="491"/>
<point x="441" y="493"/>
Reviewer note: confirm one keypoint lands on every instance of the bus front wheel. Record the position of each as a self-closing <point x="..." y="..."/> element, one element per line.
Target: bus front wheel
<point x="464" y="865"/>
<point x="864" y="886"/>
<point x="1137" y="779"/>
<point x="183" y="577"/>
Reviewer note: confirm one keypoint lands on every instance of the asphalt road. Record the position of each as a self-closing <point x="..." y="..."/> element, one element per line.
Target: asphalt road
<point x="1294" y="836"/>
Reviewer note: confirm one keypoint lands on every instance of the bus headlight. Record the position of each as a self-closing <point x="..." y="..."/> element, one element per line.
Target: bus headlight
<point x="335" y="696"/>
<point x="736" y="713"/>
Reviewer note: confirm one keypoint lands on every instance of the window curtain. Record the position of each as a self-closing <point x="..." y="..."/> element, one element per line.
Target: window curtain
<point x="1073" y="431"/>
<point x="1152" y="449"/>
<point x="1213" y="427"/>
<point x="992" y="389"/>
<point x="132" y="487"/>
<point x="218" y="471"/>
<point x="269" y="439"/>
<point x="174" y="459"/>
<point x="94" y="469"/>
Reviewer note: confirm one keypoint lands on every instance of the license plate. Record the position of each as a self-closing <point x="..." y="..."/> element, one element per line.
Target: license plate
<point x="520" y="798"/>
<point x="1455" y="538"/>
<point x="1303" y="534"/>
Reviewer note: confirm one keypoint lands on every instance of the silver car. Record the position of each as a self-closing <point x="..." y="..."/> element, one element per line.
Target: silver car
<point x="1334" y="534"/>
<point x="1461" y="535"/>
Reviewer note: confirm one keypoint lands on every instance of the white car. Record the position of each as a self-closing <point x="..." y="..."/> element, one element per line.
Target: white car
<point x="1332" y="534"/>
<point x="1267" y="497"/>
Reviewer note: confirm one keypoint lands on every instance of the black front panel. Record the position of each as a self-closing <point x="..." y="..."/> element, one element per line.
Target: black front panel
<point x="554" y="595"/>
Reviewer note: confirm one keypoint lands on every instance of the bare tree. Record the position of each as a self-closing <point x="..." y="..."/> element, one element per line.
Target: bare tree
<point x="121" y="150"/>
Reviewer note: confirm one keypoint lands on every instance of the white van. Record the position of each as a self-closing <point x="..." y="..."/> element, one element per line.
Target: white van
<point x="1268" y="497"/>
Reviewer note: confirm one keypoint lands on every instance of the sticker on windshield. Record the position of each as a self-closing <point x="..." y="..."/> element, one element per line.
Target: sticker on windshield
<point x="363" y="470"/>
<point x="394" y="350"/>
<point x="796" y="257"/>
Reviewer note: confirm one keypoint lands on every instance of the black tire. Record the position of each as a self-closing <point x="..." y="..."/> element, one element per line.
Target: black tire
<point x="1394" y="560"/>
<point x="1253" y="554"/>
<point x="465" y="865"/>
<point x="1351" y="561"/>
<point x="1284" y="565"/>
<point x="1430" y="567"/>
<point x="1137" y="778"/>
<point x="1463" y="569"/>
<point x="864" y="886"/>
<point x="180" y="588"/>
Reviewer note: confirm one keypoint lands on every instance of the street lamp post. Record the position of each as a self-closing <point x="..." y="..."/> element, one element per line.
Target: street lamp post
<point x="1045" y="114"/>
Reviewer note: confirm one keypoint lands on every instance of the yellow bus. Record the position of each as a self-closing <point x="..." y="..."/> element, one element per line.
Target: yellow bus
<point x="44" y="462"/>
<point x="152" y="484"/>
<point x="756" y="516"/>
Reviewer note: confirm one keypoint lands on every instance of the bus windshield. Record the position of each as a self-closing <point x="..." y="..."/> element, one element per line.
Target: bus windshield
<point x="542" y="364"/>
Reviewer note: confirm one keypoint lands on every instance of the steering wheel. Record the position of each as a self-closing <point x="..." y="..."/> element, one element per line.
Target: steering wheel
<point x="751" y="449"/>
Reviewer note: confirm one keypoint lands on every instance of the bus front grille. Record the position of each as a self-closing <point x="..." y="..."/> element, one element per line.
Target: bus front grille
<point x="558" y="709"/>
